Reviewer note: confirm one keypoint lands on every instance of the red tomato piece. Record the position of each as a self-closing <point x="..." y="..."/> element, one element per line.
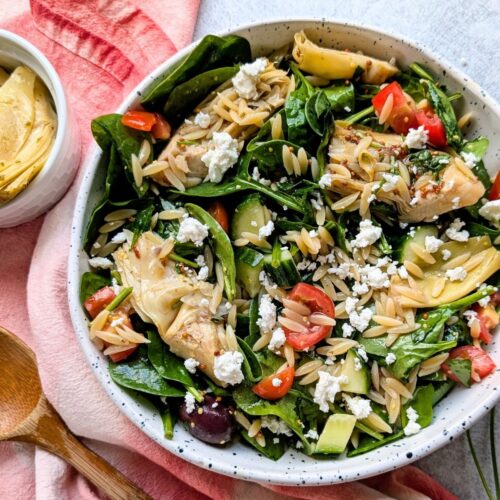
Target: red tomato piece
<point x="434" y="127"/>
<point x="139" y="120"/>
<point x="97" y="302"/>
<point x="266" y="389"/>
<point x="121" y="356"/>
<point x="219" y="213"/>
<point x="402" y="116"/>
<point x="317" y="301"/>
<point x="161" y="129"/>
<point x="121" y="314"/>
<point x="488" y="320"/>
<point x="495" y="299"/>
<point x="481" y="363"/>
<point x="495" y="189"/>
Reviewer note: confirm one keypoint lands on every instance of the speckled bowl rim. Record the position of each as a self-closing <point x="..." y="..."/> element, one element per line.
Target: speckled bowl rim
<point x="386" y="458"/>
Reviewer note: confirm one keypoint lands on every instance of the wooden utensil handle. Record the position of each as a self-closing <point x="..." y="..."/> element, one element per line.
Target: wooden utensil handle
<point x="52" y="434"/>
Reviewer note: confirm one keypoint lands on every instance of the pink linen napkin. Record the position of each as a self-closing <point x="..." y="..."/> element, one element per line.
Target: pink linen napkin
<point x="101" y="49"/>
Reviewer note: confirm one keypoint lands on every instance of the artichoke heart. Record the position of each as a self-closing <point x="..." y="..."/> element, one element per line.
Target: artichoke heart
<point x="225" y="113"/>
<point x="477" y="257"/>
<point x="169" y="300"/>
<point x="374" y="158"/>
<point x="27" y="130"/>
<point x="339" y="64"/>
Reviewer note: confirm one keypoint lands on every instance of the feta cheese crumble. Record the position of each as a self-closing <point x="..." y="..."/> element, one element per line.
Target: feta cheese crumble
<point x="119" y="238"/>
<point x="227" y="367"/>
<point x="416" y="138"/>
<point x="368" y="234"/>
<point x="432" y="244"/>
<point x="327" y="387"/>
<point x="491" y="211"/>
<point x="222" y="154"/>
<point x="203" y="273"/>
<point x="361" y="320"/>
<point x="277" y="339"/>
<point x="412" y="427"/>
<point x="190" y="402"/>
<point x="266" y="230"/>
<point x="455" y="233"/>
<point x="245" y="81"/>
<point x="276" y="382"/>
<point x="456" y="274"/>
<point x="359" y="407"/>
<point x="325" y="181"/>
<point x="446" y="254"/>
<point x="193" y="230"/>
<point x="275" y="425"/>
<point x="202" y="120"/>
<point x="390" y="182"/>
<point x="267" y="314"/>
<point x="347" y="330"/>
<point x="100" y="263"/>
<point x="390" y="358"/>
<point x="191" y="364"/>
<point x="470" y="316"/>
<point x="470" y="159"/>
<point x="312" y="435"/>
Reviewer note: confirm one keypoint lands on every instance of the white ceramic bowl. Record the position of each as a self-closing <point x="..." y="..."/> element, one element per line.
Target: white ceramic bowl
<point x="453" y="415"/>
<point x="55" y="177"/>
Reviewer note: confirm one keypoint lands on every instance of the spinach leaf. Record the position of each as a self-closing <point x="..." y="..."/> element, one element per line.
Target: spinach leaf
<point x="444" y="110"/>
<point x="459" y="332"/>
<point x="317" y="110"/>
<point x="222" y="247"/>
<point x="251" y="364"/>
<point x="240" y="184"/>
<point x="167" y="364"/>
<point x="476" y="229"/>
<point x="433" y="322"/>
<point x="341" y="97"/>
<point x="461" y="368"/>
<point x="90" y="283"/>
<point x="142" y="223"/>
<point x="441" y="390"/>
<point x="272" y="450"/>
<point x="478" y="148"/>
<point x="108" y="130"/>
<point x="426" y="160"/>
<point x="285" y="408"/>
<point x="253" y="329"/>
<point x="139" y="374"/>
<point x="212" y="52"/>
<point x="422" y="403"/>
<point x="408" y="354"/>
<point x="369" y="443"/>
<point x="269" y="362"/>
<point x="187" y="95"/>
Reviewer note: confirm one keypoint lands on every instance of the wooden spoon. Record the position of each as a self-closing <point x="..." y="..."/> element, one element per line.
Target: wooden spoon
<point x="26" y="415"/>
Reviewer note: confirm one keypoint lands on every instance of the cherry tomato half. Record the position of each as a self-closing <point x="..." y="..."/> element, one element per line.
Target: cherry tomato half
<point x="481" y="363"/>
<point x="219" y="213"/>
<point x="434" y="127"/>
<point x="139" y="120"/>
<point x="402" y="117"/>
<point x="97" y="302"/>
<point x="495" y="189"/>
<point x="317" y="301"/>
<point x="276" y="385"/>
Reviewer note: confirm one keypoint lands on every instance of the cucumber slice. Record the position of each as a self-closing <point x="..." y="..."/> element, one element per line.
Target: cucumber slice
<point x="249" y="264"/>
<point x="285" y="274"/>
<point x="404" y="252"/>
<point x="336" y="433"/>
<point x="249" y="216"/>
<point x="359" y="380"/>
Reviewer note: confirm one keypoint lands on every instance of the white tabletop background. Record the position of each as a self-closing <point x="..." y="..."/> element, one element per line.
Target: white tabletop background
<point x="467" y="34"/>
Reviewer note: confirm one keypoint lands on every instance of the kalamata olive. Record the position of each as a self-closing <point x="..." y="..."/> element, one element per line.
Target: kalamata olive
<point x="210" y="421"/>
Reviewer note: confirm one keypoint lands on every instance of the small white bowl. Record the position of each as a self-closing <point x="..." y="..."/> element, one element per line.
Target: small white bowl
<point x="452" y="416"/>
<point x="58" y="172"/>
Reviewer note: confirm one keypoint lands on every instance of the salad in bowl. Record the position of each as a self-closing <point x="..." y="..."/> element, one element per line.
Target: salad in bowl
<point x="296" y="251"/>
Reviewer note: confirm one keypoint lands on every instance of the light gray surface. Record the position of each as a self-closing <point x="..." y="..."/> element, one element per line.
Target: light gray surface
<point x="467" y="35"/>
